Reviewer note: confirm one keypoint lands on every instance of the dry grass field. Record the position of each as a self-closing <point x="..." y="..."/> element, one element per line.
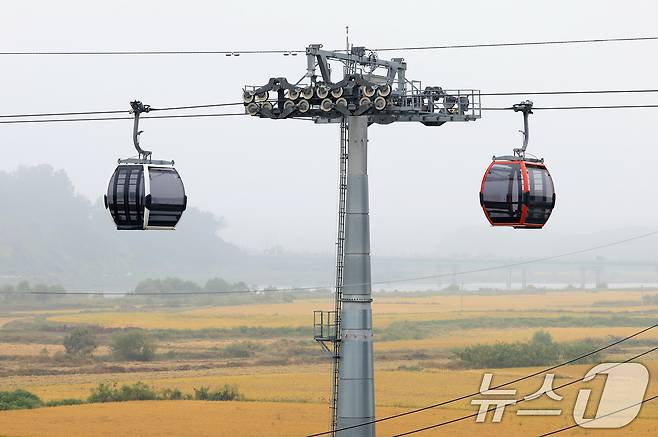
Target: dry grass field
<point x="5" y="320"/>
<point x="290" y="398"/>
<point x="387" y="310"/>
<point x="249" y="419"/>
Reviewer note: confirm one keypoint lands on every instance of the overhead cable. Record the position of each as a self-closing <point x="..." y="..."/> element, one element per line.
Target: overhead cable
<point x="296" y="52"/>
<point x="473" y="394"/>
<point x="518" y="401"/>
<point x="505" y="93"/>
<point x="391" y="281"/>
<point x="516" y="44"/>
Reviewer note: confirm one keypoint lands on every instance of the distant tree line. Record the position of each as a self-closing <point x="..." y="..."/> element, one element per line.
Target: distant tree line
<point x="541" y="350"/>
<point x="23" y="290"/>
<point x="26" y="287"/>
<point x="177" y="285"/>
<point x="22" y="399"/>
<point x="126" y="345"/>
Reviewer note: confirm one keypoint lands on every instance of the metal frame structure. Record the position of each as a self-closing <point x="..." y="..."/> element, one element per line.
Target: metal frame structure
<point x="371" y="87"/>
<point x="525" y="107"/>
<point x="371" y="90"/>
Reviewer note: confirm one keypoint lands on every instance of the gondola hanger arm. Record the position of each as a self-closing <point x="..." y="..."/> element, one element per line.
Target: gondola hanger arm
<point x="526" y="108"/>
<point x="137" y="108"/>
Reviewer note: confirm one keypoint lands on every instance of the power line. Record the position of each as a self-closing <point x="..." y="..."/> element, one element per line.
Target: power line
<point x="147" y="293"/>
<point x="391" y="281"/>
<point x="600" y="417"/>
<point x="470" y="395"/>
<point x="515" y="44"/>
<point x="518" y="401"/>
<point x="296" y="52"/>
<point x="522" y="263"/>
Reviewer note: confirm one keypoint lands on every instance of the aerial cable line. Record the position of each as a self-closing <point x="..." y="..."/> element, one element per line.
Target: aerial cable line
<point x="213" y="105"/>
<point x="61" y="120"/>
<point x="515" y="44"/>
<point x="118" y="111"/>
<point x="217" y="105"/>
<point x="296" y="52"/>
<point x="391" y="281"/>
<point x="518" y="401"/>
<point x="562" y="108"/>
<point x="153" y="52"/>
<point x="644" y="401"/>
<point x="528" y="93"/>
<point x="514" y="381"/>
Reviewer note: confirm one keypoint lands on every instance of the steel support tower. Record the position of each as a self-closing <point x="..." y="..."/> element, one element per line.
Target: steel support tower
<point x="356" y="383"/>
<point x="371" y="91"/>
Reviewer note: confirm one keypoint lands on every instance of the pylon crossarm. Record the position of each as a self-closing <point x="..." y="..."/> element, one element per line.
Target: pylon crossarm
<point x="384" y="98"/>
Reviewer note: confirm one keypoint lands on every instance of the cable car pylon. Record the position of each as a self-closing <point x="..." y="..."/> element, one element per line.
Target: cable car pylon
<point x="371" y="91"/>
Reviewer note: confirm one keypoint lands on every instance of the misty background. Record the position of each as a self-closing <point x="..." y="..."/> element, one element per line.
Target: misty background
<point x="263" y="193"/>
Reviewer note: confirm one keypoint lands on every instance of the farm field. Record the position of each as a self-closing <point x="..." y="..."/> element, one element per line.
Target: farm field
<point x="388" y="310"/>
<point x="155" y="419"/>
<point x="285" y="378"/>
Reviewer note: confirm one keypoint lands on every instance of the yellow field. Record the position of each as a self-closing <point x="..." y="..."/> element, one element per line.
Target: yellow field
<point x="245" y="419"/>
<point x="5" y="320"/>
<point x="488" y="336"/>
<point x="386" y="310"/>
<point x="250" y="419"/>
<point x="291" y="400"/>
<point x="308" y="383"/>
<point x="29" y="349"/>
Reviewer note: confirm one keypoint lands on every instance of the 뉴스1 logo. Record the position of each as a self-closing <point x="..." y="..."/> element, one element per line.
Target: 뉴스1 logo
<point x="621" y="399"/>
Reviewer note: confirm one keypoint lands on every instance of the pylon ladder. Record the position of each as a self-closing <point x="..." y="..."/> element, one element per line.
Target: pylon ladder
<point x="340" y="261"/>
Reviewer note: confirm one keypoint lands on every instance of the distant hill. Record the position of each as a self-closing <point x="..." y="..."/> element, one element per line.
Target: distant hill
<point x="49" y="233"/>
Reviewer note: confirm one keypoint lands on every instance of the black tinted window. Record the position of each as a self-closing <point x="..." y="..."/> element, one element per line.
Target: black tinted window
<point x="166" y="187"/>
<point x="541" y="186"/>
<point x="541" y="195"/>
<point x="502" y="193"/>
<point x="125" y="196"/>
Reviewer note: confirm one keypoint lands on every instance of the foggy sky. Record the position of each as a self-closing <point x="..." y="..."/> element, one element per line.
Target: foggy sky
<point x="274" y="182"/>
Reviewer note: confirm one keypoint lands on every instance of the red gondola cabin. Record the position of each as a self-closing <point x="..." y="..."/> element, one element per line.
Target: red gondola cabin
<point x="517" y="192"/>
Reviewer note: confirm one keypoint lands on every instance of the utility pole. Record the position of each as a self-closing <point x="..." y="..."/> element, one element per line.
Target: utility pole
<point x="371" y="91"/>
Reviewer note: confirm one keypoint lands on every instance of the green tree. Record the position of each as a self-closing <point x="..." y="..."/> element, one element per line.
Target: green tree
<point x="18" y="400"/>
<point x="81" y="341"/>
<point x="217" y="284"/>
<point x="167" y="285"/>
<point x="134" y="345"/>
